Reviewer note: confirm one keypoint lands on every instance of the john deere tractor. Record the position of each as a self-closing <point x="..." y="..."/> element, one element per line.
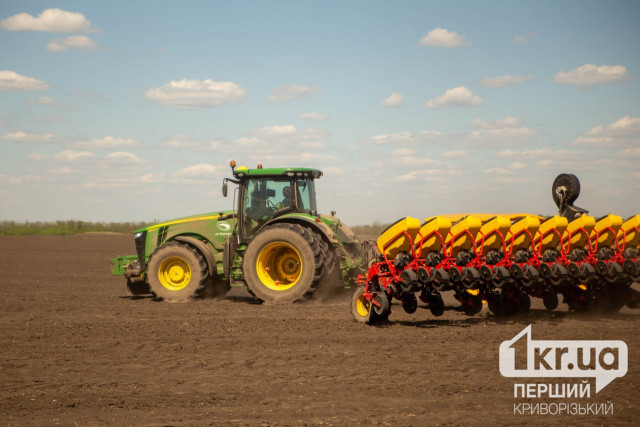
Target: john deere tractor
<point x="274" y="241"/>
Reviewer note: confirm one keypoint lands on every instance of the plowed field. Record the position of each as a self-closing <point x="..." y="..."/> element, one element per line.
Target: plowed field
<point x="74" y="349"/>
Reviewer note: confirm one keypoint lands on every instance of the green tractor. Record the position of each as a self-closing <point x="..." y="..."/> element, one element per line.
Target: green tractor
<point x="274" y="241"/>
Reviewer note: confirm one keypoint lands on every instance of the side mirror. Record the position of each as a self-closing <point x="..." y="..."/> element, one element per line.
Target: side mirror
<point x="224" y="188"/>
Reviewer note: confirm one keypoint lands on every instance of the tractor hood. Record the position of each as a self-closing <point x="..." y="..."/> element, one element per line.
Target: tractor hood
<point x="186" y="219"/>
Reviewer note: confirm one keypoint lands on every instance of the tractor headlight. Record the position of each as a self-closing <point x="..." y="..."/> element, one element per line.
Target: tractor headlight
<point x="138" y="235"/>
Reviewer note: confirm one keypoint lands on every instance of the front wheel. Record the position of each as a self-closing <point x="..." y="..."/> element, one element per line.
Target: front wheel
<point x="283" y="263"/>
<point x="176" y="272"/>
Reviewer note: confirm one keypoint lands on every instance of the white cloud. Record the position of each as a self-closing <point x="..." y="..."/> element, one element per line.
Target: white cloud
<point x="313" y="116"/>
<point x="522" y="39"/>
<point x="178" y="141"/>
<point x="403" y="152"/>
<point x="502" y="81"/>
<point x="333" y="170"/>
<point x="273" y="137"/>
<point x="405" y="137"/>
<point x="590" y="74"/>
<point x="413" y="161"/>
<point x="455" y="154"/>
<point x="508" y="129"/>
<point x="44" y="100"/>
<point x="124" y="157"/>
<point x="393" y="100"/>
<point x="286" y="93"/>
<point x="631" y="152"/>
<point x="497" y="124"/>
<point x="497" y="171"/>
<point x="26" y="179"/>
<point x="10" y="80"/>
<point x="305" y="158"/>
<point x="441" y="37"/>
<point x="35" y="157"/>
<point x="72" y="155"/>
<point x="501" y="134"/>
<point x="78" y="42"/>
<point x="625" y="131"/>
<point x="50" y="20"/>
<point x="196" y="94"/>
<point x="50" y="118"/>
<point x="182" y="141"/>
<point x="427" y="174"/>
<point x="458" y="97"/>
<point x="152" y="178"/>
<point x="203" y="170"/>
<point x="20" y="136"/>
<point x="66" y="170"/>
<point x="106" y="143"/>
<point x="509" y="170"/>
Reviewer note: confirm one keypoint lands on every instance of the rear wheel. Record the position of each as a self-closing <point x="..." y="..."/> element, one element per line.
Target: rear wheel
<point x="176" y="272"/>
<point x="283" y="263"/>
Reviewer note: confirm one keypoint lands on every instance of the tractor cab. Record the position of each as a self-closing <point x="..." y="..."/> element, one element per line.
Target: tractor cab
<point x="265" y="194"/>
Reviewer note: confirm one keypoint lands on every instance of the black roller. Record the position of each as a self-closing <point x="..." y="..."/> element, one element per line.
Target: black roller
<point x="574" y="270"/>
<point x="423" y="275"/>
<point x="485" y="272"/>
<point x="439" y="279"/>
<point x="630" y="267"/>
<point x="587" y="270"/>
<point x="530" y="275"/>
<point x="516" y="271"/>
<point x="565" y="189"/>
<point x="545" y="270"/>
<point x="455" y="275"/>
<point x="409" y="280"/>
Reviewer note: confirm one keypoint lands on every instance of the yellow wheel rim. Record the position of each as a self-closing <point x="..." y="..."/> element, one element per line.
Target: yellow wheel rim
<point x="363" y="305"/>
<point x="174" y="273"/>
<point x="279" y="266"/>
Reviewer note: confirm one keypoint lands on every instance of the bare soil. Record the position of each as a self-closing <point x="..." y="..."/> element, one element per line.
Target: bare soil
<point x="75" y="350"/>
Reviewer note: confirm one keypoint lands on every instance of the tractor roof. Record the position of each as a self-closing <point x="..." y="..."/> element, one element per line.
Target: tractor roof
<point x="243" y="171"/>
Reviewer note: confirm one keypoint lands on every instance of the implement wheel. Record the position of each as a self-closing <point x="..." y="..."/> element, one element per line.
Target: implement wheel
<point x="565" y="189"/>
<point x="283" y="263"/>
<point x="361" y="308"/>
<point x="176" y="272"/>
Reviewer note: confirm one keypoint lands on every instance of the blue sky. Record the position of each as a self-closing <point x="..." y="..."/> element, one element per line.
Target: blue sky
<point x="126" y="111"/>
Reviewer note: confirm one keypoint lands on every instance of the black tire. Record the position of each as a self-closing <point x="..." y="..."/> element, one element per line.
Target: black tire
<point x="361" y="309"/>
<point x="331" y="285"/>
<point x="383" y="311"/>
<point x="436" y="304"/>
<point x="472" y="305"/>
<point x="571" y="186"/>
<point x="176" y="272"/>
<point x="286" y="253"/>
<point x="550" y="300"/>
<point x="524" y="302"/>
<point x="409" y="303"/>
